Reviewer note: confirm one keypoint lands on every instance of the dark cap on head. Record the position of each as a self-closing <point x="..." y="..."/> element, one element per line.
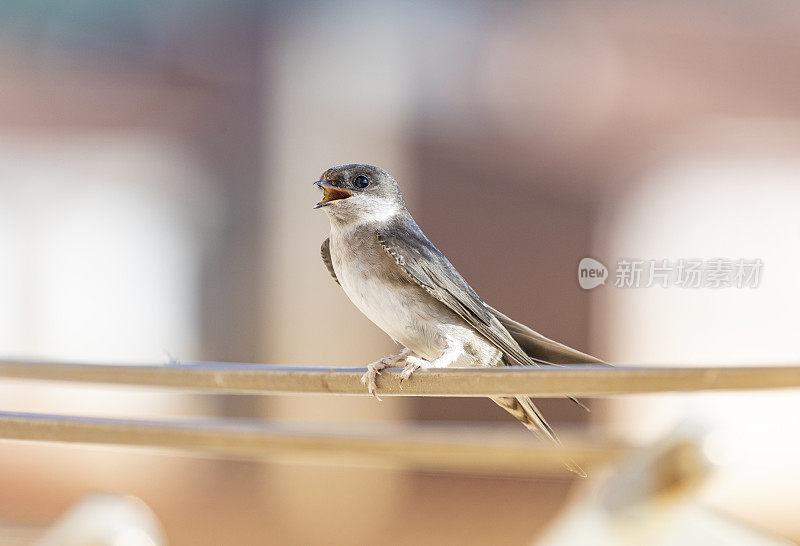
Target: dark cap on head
<point x="358" y="192"/>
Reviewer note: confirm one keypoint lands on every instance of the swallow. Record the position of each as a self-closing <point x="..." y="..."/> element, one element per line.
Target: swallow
<point x="396" y="277"/>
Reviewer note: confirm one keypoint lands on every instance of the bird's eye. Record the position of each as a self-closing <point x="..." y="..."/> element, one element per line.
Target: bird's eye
<point x="361" y="182"/>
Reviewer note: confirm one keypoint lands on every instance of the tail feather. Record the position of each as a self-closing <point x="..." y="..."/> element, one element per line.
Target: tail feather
<point x="523" y="409"/>
<point x="542" y="349"/>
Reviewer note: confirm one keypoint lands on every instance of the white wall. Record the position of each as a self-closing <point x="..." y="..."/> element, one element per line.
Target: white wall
<point x="735" y="204"/>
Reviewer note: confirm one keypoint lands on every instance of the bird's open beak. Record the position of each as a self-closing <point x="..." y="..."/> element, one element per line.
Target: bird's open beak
<point x="331" y="193"/>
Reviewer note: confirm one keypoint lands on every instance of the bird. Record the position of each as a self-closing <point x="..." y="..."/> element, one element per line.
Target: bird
<point x="406" y="286"/>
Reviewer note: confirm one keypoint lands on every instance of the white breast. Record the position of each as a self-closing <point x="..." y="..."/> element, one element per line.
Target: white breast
<point x="400" y="311"/>
<point x="388" y="308"/>
<point x="405" y="312"/>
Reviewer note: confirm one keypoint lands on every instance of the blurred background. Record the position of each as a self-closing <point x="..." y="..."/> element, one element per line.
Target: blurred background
<point x="156" y="162"/>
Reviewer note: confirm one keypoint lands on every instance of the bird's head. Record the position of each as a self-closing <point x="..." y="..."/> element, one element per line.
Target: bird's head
<point x="359" y="193"/>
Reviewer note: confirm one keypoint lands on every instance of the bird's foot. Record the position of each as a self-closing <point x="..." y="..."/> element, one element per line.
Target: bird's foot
<point x="374" y="370"/>
<point x="370" y="376"/>
<point x="412" y="365"/>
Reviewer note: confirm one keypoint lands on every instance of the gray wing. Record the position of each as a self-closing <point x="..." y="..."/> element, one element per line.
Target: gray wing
<point x="325" y="251"/>
<point x="429" y="268"/>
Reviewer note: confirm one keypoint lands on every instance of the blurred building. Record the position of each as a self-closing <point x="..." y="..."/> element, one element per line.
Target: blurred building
<point x="155" y="195"/>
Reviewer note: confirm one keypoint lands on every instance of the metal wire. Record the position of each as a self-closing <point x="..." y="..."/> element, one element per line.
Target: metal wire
<point x="579" y="380"/>
<point x="477" y="449"/>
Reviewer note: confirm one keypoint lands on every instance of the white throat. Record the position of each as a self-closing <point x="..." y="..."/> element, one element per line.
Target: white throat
<point x="382" y="213"/>
<point x="379" y="212"/>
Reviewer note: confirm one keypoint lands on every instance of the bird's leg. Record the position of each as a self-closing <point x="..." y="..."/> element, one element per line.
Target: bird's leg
<point x="374" y="370"/>
<point x="413" y="363"/>
<point x="450" y="354"/>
